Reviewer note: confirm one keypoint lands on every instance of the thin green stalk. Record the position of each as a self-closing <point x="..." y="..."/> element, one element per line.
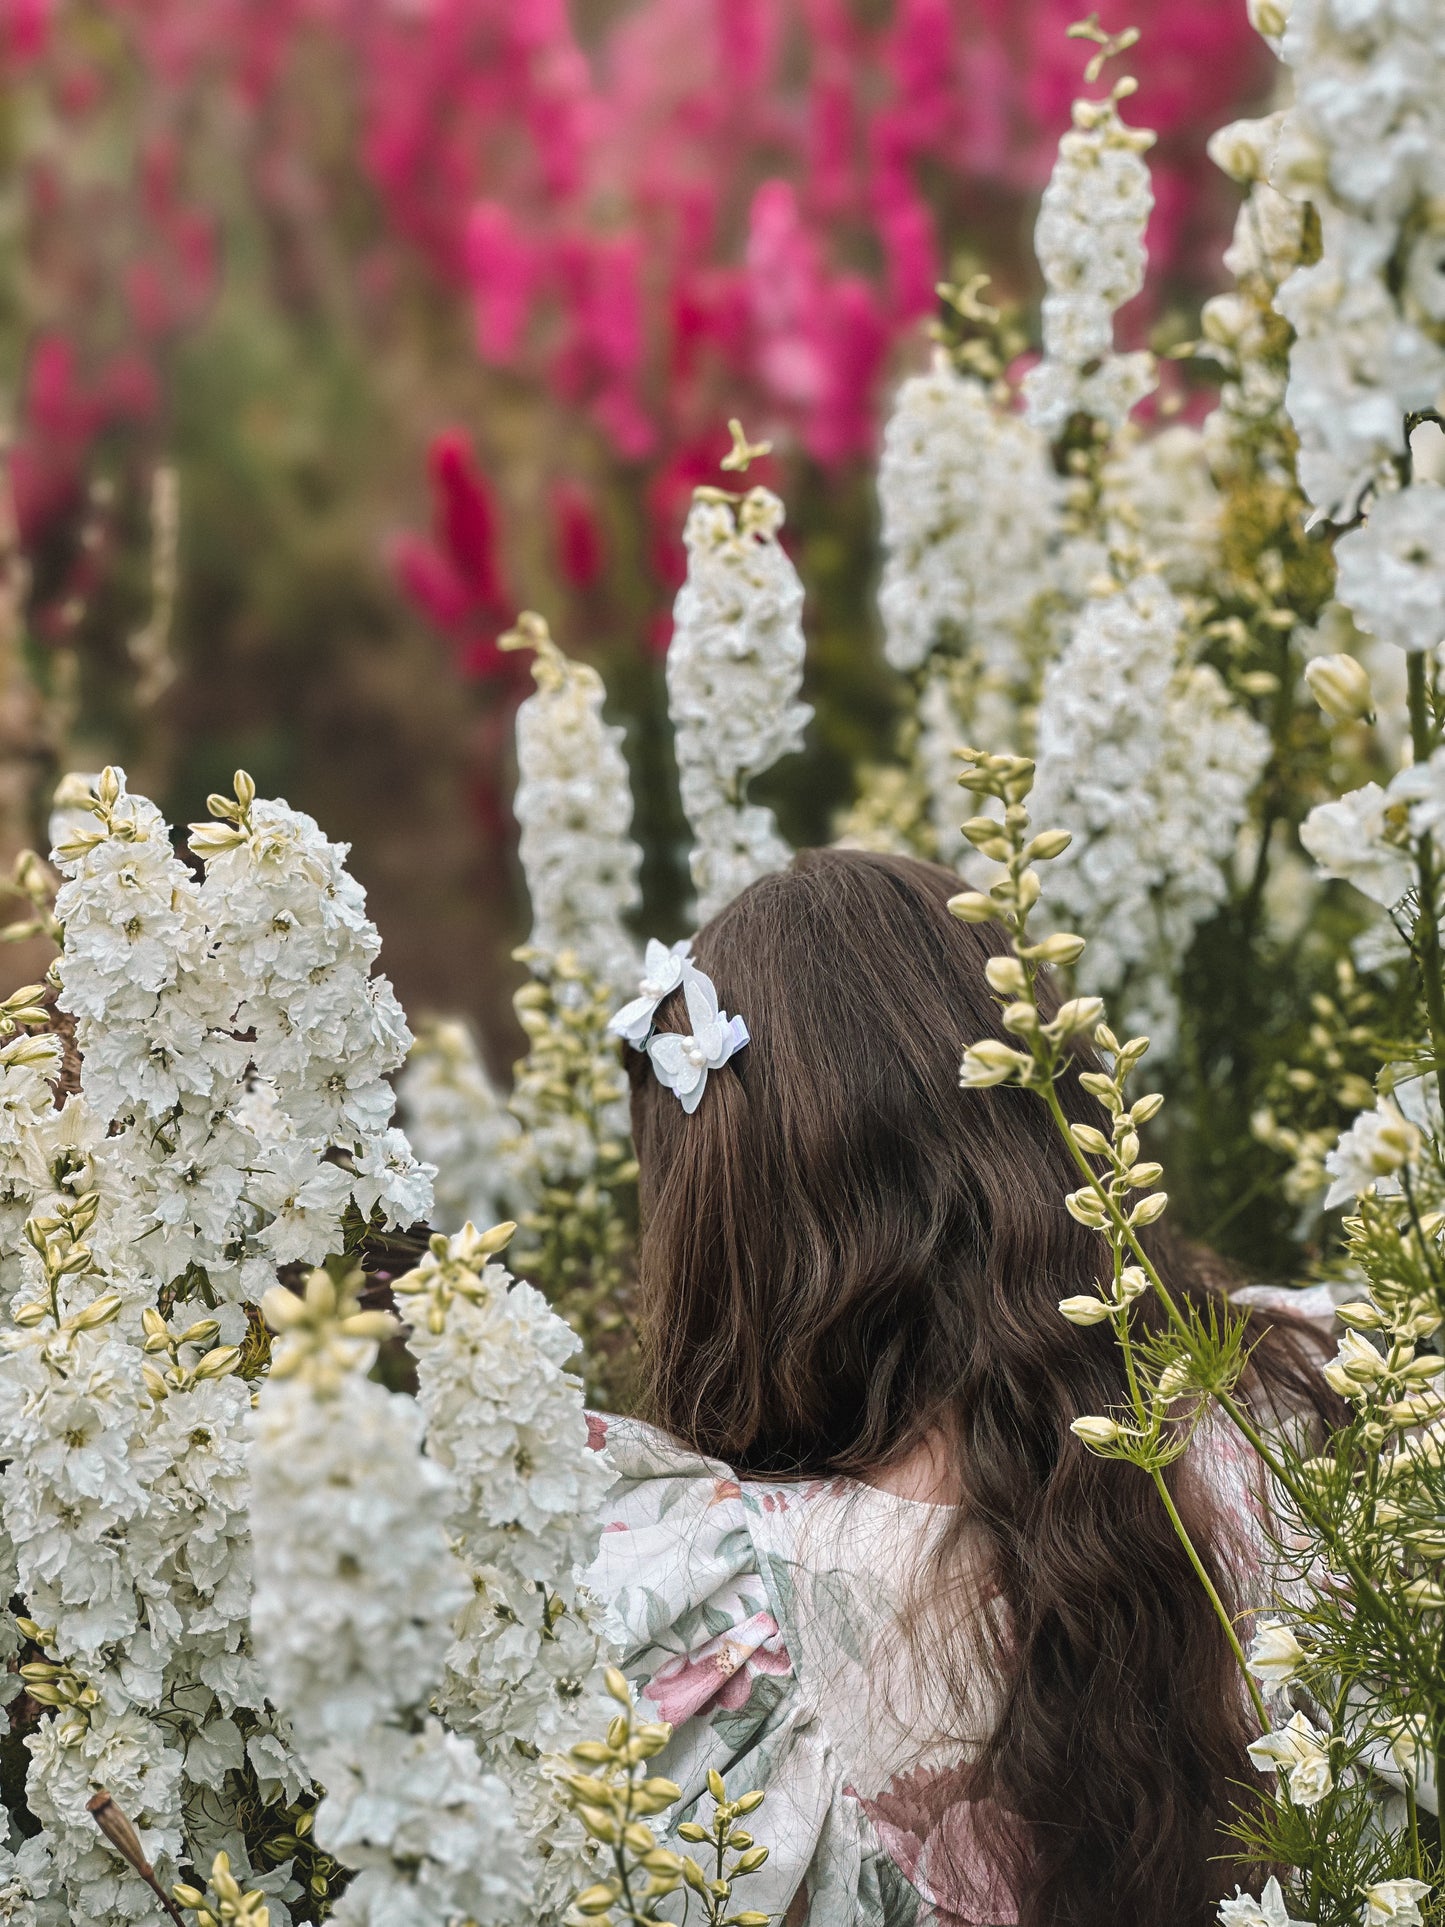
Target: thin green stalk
<point x="1229" y="1405"/>
<point x="1424" y="740"/>
<point x="1221" y="1612"/>
<point x="1181" y="1531"/>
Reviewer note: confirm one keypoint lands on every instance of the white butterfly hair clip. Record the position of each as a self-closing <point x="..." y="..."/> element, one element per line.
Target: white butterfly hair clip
<point x="681" y="1062"/>
<point x="661" y="974"/>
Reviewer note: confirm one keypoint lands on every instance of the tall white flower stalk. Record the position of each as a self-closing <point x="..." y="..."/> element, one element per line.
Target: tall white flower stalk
<point x="503" y="1415"/>
<point x="574" y="808"/>
<point x="967" y="497"/>
<point x="233" y="1106"/>
<point x="1146" y="761"/>
<point x="356" y="1589"/>
<point x="1364" y="143"/>
<point x="734" y="670"/>
<point x="1089" y="239"/>
<point x="457" y="1120"/>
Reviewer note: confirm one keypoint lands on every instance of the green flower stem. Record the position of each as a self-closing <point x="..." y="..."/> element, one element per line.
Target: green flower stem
<point x="1424" y="739"/>
<point x="1221" y="1612"/>
<point x="1229" y="1405"/>
<point x="1181" y="1531"/>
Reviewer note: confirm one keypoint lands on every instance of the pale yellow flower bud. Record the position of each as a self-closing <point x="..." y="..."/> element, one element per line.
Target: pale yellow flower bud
<point x="1087" y="1207"/>
<point x="1095" y="1431"/>
<point x="1061" y="948"/>
<point x="989" y="1062"/>
<point x="1078" y="1014"/>
<point x="1048" y="844"/>
<point x="1084" y="1310"/>
<point x="1341" y="687"/>
<point x="970" y="906"/>
<point x="1006" y="976"/>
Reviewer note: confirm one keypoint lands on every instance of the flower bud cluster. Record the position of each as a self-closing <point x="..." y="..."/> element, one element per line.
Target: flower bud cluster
<point x="574" y="809"/>
<point x="572" y="1175"/>
<point x="615" y="1798"/>
<point x="1090" y="244"/>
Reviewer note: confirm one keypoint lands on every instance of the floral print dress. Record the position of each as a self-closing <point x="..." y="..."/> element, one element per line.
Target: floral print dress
<point x="761" y="1621"/>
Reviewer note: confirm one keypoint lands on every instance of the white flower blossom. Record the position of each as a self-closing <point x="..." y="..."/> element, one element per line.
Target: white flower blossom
<point x="968" y="499"/>
<point x="1268" y="1911"/>
<point x="1380" y="1143"/>
<point x="1275" y="1655"/>
<point x="1392" y="571"/>
<point x="1394" y="1903"/>
<point x="1089" y="239"/>
<point x="574" y="810"/>
<point x="1300" y="1752"/>
<point x="1160" y="500"/>
<point x="29" y="1886"/>
<point x="1356" y="838"/>
<point x="734" y="669"/>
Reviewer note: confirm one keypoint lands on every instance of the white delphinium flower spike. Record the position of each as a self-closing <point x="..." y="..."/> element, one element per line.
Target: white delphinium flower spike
<point x="1089" y="239"/>
<point x="734" y="669"/>
<point x="505" y="1418"/>
<point x="458" y="1121"/>
<point x="574" y="809"/>
<point x="356" y="1589"/>
<point x="1363" y="141"/>
<point x="1150" y="766"/>
<point x="968" y="498"/>
<point x="234" y="1104"/>
<point x="288" y="929"/>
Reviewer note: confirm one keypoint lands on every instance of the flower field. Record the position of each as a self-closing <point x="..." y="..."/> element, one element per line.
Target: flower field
<point x="586" y="454"/>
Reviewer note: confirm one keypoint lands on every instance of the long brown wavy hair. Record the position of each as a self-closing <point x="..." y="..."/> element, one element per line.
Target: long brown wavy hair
<point x="844" y="1255"/>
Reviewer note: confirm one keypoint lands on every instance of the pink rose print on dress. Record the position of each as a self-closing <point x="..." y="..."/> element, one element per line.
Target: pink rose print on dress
<point x="721" y="1673"/>
<point x="596" y="1433"/>
<point x="929" y="1830"/>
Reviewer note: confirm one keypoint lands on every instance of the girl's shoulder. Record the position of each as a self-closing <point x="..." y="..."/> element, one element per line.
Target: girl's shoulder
<point x="760" y="1619"/>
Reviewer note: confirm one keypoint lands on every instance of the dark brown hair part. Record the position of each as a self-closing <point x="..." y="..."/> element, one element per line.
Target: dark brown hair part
<point x="844" y="1254"/>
